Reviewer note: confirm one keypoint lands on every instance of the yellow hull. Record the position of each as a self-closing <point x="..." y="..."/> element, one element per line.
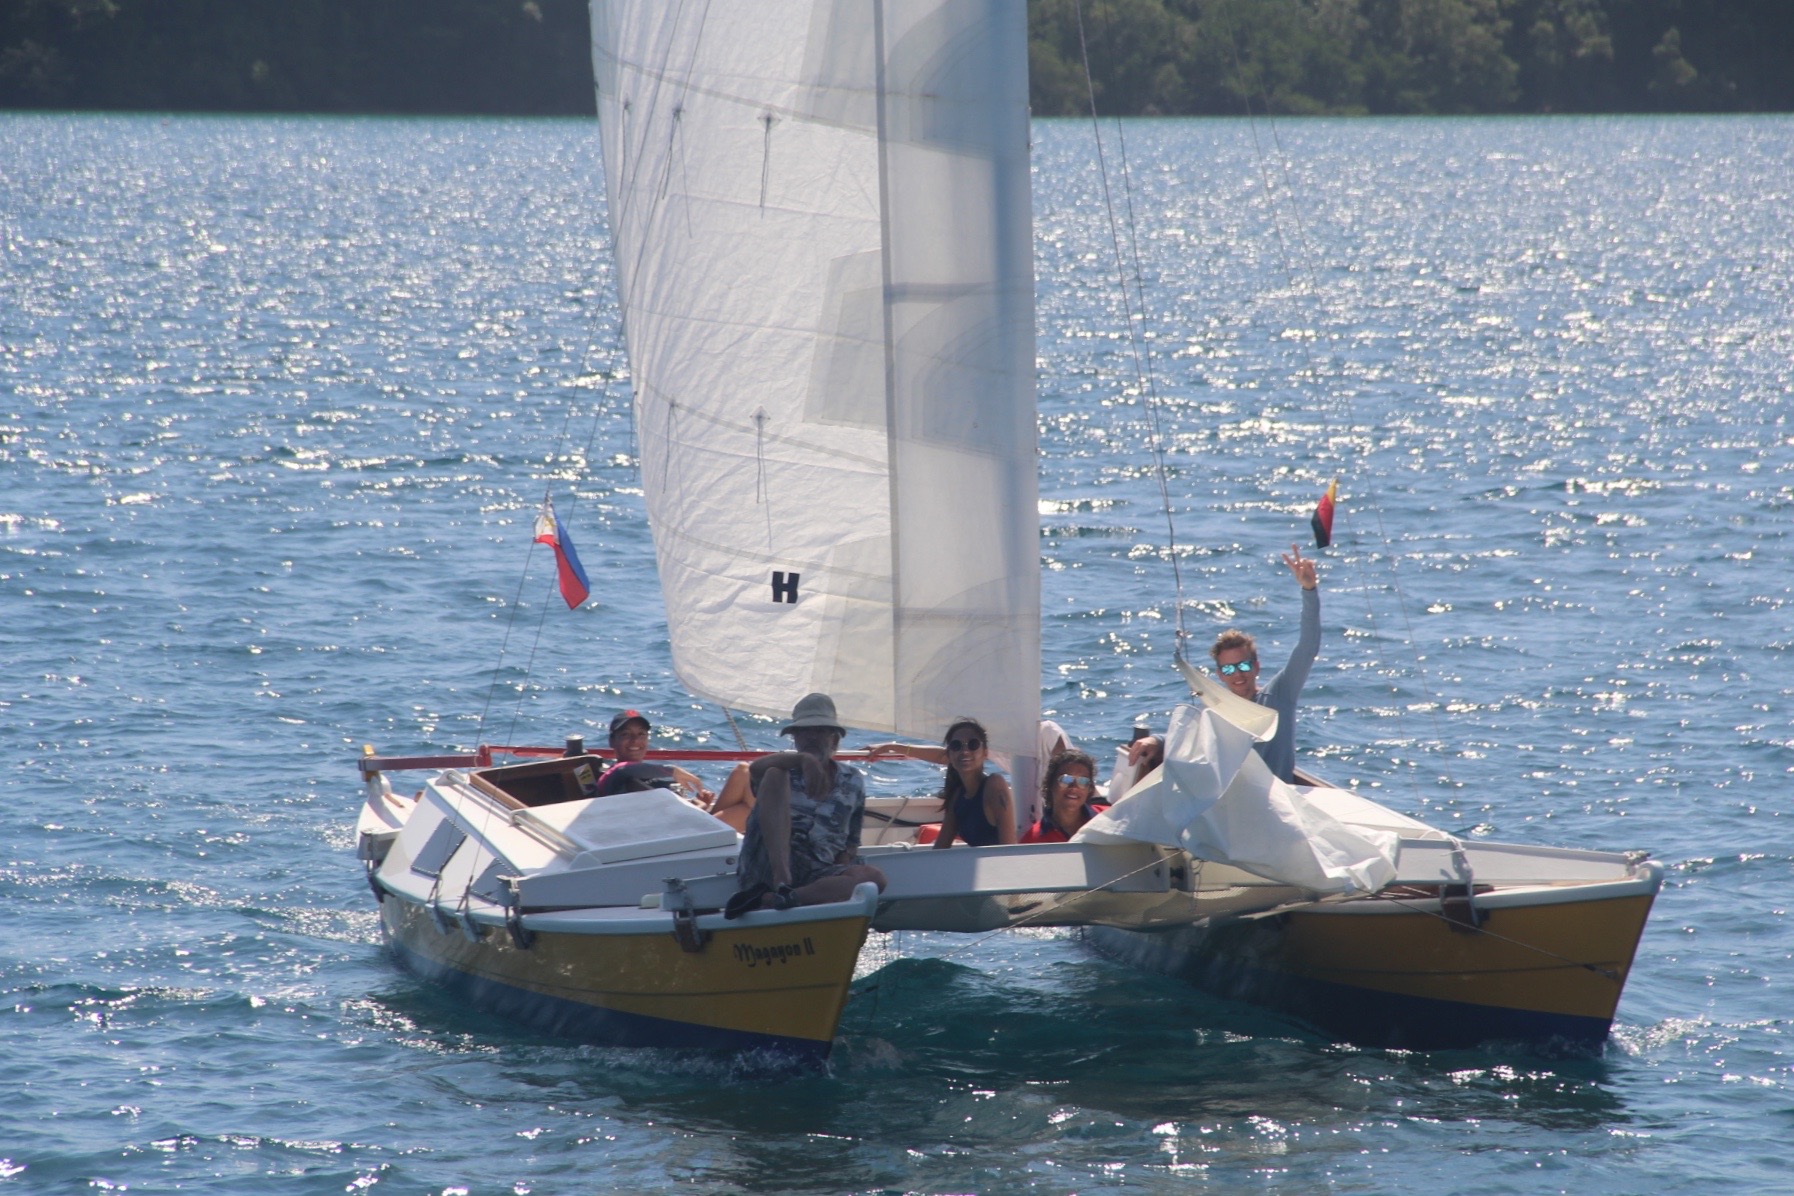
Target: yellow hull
<point x="1389" y="973"/>
<point x="778" y="986"/>
<point x="1570" y="960"/>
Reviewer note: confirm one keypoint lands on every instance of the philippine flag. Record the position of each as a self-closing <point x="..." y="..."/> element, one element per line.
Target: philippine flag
<point x="574" y="586"/>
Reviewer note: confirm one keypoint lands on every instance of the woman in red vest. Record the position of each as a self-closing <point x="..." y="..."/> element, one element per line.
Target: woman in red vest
<point x="1066" y="794"/>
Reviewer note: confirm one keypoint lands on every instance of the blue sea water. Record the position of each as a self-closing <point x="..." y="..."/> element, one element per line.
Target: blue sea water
<point x="279" y="399"/>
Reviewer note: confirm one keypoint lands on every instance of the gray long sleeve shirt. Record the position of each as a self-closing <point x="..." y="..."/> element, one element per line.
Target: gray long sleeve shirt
<point x="1281" y="692"/>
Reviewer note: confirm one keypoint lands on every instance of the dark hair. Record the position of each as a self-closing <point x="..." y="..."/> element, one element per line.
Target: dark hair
<point x="1233" y="637"/>
<point x="1057" y="765"/>
<point x="951" y="786"/>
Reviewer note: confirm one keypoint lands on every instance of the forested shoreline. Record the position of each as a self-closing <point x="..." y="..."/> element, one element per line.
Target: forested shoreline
<point x="1146" y="57"/>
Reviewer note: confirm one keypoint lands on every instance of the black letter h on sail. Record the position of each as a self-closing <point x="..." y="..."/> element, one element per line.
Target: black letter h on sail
<point x="784" y="587"/>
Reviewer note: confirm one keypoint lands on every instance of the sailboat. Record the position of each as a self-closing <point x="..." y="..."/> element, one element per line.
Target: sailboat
<point x="821" y="228"/>
<point x="820" y="217"/>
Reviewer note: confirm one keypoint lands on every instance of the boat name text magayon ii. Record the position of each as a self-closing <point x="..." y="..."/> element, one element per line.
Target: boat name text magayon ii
<point x="754" y="956"/>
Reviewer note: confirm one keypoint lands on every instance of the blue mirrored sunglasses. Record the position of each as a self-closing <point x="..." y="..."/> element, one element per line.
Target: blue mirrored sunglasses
<point x="1244" y="666"/>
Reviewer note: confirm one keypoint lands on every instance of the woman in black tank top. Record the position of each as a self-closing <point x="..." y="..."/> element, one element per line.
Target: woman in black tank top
<point x="978" y="808"/>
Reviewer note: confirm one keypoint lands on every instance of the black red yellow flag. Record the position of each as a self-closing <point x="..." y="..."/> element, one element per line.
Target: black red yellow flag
<point x="1322" y="520"/>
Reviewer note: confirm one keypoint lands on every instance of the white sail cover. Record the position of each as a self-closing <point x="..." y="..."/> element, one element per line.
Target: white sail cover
<point x="821" y="220"/>
<point x="1215" y="798"/>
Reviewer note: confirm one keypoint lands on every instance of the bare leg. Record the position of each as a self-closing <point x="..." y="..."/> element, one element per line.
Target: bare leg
<point x="833" y="888"/>
<point x="736" y="801"/>
<point x="774" y="804"/>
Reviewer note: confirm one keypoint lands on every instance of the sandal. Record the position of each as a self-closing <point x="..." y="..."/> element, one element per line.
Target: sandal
<point x="745" y="901"/>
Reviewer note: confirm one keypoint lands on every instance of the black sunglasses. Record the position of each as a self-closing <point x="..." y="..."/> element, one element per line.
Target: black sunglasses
<point x="964" y="745"/>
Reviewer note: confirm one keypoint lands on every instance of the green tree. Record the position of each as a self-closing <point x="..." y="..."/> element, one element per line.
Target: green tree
<point x="1136" y="49"/>
<point x="1565" y="53"/>
<point x="1222" y="57"/>
<point x="1440" y="56"/>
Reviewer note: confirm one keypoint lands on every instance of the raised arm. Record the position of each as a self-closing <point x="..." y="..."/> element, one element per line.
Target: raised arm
<point x="1308" y="644"/>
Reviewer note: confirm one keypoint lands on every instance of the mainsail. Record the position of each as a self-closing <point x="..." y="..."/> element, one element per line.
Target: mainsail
<point x="821" y="219"/>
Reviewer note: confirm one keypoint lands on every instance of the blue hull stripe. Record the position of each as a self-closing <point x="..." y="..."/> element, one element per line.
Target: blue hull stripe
<point x="608" y="1027"/>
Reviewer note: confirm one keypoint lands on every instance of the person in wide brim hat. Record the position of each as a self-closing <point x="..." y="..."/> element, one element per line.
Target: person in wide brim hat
<point x="813" y="860"/>
<point x="814" y="710"/>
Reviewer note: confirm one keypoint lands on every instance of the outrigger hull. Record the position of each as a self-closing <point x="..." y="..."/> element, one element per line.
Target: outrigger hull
<point x="1545" y="967"/>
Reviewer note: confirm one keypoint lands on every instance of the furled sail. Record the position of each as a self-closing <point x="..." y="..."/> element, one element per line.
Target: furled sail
<point x="821" y="220"/>
<point x="1215" y="798"/>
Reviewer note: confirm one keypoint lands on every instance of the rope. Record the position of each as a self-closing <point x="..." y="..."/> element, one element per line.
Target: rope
<point x="1597" y="969"/>
<point x="1304" y="282"/>
<point x="1063" y="900"/>
<point x="740" y="740"/>
<point x="1143" y="379"/>
<point x="630" y="170"/>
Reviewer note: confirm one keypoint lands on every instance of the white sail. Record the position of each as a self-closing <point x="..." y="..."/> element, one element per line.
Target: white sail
<point x="821" y="219"/>
<point x="1215" y="798"/>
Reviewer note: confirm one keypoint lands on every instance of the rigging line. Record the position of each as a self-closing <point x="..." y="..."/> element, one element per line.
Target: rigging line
<point x="529" y="555"/>
<point x="1127" y="193"/>
<point x="740" y="740"/>
<point x="629" y="170"/>
<point x="523" y="578"/>
<point x="572" y="505"/>
<point x="1308" y="256"/>
<point x="1259" y="158"/>
<point x="1306" y="261"/>
<point x="504" y="644"/>
<point x="1596" y="968"/>
<point x="1055" y="906"/>
<point x="1401" y="606"/>
<point x="607" y="377"/>
<point x="1141" y="368"/>
<point x="625" y="190"/>
<point x="586" y="367"/>
<point x="616" y="216"/>
<point x="1401" y="603"/>
<point x="528" y="670"/>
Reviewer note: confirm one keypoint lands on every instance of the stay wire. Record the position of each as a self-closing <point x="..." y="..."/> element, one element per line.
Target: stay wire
<point x="1305" y="281"/>
<point x="1259" y="160"/>
<point x="1597" y="969"/>
<point x="607" y="375"/>
<point x="530" y="553"/>
<point x="631" y="173"/>
<point x="1051" y="908"/>
<point x="1143" y="378"/>
<point x="1196" y="882"/>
